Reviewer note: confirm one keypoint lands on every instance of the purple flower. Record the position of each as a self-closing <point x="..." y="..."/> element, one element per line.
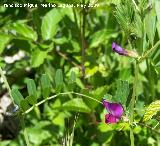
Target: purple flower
<point x="115" y="111"/>
<point x="118" y="49"/>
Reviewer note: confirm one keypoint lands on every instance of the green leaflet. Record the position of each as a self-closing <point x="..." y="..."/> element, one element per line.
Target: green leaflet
<point x="150" y="26"/>
<point x="124" y="14"/>
<point x="24" y="105"/>
<point x="31" y="100"/>
<point x="23" y="31"/>
<point x="59" y="80"/>
<point x="152" y="110"/>
<point x="4" y="40"/>
<point x="72" y="76"/>
<point x="17" y="96"/>
<point x="72" y="80"/>
<point x="31" y="87"/>
<point x="38" y="57"/>
<point x="45" y="85"/>
<point x="50" y="24"/>
<point x="122" y="92"/>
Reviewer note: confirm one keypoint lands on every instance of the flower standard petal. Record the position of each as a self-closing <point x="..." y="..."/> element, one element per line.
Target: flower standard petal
<point x="115" y="109"/>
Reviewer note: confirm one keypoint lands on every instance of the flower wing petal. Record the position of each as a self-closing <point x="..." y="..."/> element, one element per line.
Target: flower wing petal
<point x="109" y="118"/>
<point x="115" y="109"/>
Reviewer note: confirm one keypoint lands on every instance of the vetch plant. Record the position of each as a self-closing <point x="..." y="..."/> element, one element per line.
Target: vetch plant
<point x="79" y="42"/>
<point x="115" y="109"/>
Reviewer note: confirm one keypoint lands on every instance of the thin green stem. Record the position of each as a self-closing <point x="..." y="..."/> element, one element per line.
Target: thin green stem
<point x="149" y="52"/>
<point x="149" y="127"/>
<point x="133" y="100"/>
<point x="54" y="96"/>
<point x="136" y="5"/>
<point x="6" y="83"/>
<point x="21" y="117"/>
<point x="83" y="42"/>
<point x="131" y="136"/>
<point x="24" y="130"/>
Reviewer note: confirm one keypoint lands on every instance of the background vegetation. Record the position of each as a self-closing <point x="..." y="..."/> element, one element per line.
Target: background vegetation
<point x="59" y="63"/>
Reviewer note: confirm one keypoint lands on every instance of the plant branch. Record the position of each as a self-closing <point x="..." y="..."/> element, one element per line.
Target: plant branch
<point x="149" y="51"/>
<point x="149" y="127"/>
<point x="54" y="96"/>
<point x="24" y="130"/>
<point x="6" y="84"/>
<point x="131" y="136"/>
<point x="83" y="43"/>
<point x="68" y="59"/>
<point x="135" y="5"/>
<point x="133" y="100"/>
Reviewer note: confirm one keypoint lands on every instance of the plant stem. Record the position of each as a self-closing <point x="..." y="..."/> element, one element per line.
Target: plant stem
<point x="136" y="5"/>
<point x="83" y="39"/>
<point x="24" y="130"/>
<point x="131" y="136"/>
<point x="6" y="84"/>
<point x="133" y="100"/>
<point x="68" y="59"/>
<point x="149" y="51"/>
<point x="21" y="117"/>
<point x="149" y="127"/>
<point x="54" y="96"/>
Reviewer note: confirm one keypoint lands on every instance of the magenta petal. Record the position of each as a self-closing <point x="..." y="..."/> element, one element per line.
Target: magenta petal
<point x="115" y="109"/>
<point x="113" y="45"/>
<point x="118" y="49"/>
<point x="109" y="118"/>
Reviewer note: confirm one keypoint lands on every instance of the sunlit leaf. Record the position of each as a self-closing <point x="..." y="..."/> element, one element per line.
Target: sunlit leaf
<point x="38" y="57"/>
<point x="50" y="24"/>
<point x="151" y="110"/>
<point x="4" y="39"/>
<point x="22" y="29"/>
<point x="150" y="25"/>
